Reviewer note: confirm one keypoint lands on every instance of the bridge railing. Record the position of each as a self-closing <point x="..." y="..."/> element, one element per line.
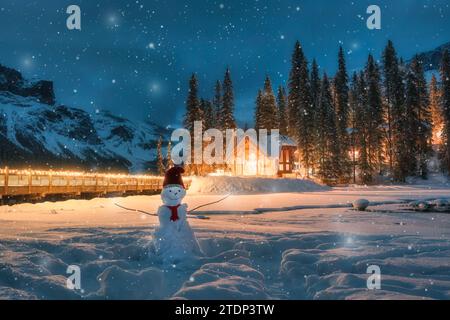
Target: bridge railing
<point x="37" y="182"/>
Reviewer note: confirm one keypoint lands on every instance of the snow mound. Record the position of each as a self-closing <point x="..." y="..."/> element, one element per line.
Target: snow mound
<point x="434" y="179"/>
<point x="218" y="281"/>
<point x="313" y="253"/>
<point x="340" y="271"/>
<point x="251" y="185"/>
<point x="117" y="283"/>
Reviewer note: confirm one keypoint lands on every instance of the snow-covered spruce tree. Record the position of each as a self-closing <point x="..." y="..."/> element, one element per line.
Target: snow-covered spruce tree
<point x="375" y="114"/>
<point x="389" y="62"/>
<point x="363" y="120"/>
<point x="397" y="131"/>
<point x="328" y="150"/>
<point x="411" y="103"/>
<point x="169" y="162"/>
<point x="207" y="118"/>
<point x="217" y="105"/>
<point x="353" y="109"/>
<point x="226" y="114"/>
<point x="294" y="90"/>
<point x="160" y="159"/>
<point x="315" y="95"/>
<point x="352" y="120"/>
<point x="301" y="113"/>
<point x="207" y="114"/>
<point x="315" y="84"/>
<point x="420" y="103"/>
<point x="282" y="115"/>
<point x="193" y="111"/>
<point x="342" y="113"/>
<point x="268" y="116"/>
<point x="409" y="134"/>
<point x="258" y="106"/>
<point x="436" y="113"/>
<point x="445" y="105"/>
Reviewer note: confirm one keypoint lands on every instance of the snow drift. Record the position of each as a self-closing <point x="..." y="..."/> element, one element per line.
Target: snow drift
<point x="251" y="185"/>
<point x="309" y="253"/>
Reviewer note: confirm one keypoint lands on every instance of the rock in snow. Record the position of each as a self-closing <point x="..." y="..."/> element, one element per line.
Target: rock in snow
<point x="361" y="204"/>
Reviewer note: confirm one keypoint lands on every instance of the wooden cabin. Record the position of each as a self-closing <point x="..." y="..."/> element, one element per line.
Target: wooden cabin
<point x="288" y="160"/>
<point x="259" y="163"/>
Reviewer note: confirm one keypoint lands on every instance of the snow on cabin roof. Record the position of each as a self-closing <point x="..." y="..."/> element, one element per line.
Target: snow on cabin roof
<point x="287" y="141"/>
<point x="284" y="141"/>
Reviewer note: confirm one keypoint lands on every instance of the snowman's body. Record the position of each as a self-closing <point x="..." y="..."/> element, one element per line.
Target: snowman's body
<point x="174" y="239"/>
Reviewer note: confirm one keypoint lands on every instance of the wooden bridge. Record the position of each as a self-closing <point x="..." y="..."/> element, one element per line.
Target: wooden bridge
<point x="33" y="185"/>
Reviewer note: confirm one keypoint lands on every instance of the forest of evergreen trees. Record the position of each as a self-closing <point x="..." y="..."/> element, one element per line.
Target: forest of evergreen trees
<point x="384" y="121"/>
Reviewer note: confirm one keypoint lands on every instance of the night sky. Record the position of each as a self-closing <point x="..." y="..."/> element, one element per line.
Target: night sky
<point x="134" y="58"/>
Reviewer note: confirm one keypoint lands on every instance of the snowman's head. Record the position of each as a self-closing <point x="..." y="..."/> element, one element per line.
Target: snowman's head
<point x="173" y="194"/>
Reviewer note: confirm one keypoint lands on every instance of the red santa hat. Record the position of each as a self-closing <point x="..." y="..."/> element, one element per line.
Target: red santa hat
<point x="173" y="177"/>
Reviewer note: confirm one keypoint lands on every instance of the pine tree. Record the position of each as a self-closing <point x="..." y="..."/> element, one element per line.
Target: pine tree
<point x="169" y="162"/>
<point x="282" y="115"/>
<point x="341" y="94"/>
<point x="396" y="121"/>
<point x="420" y="105"/>
<point x="315" y="95"/>
<point x="411" y="104"/>
<point x="375" y="114"/>
<point x="294" y="90"/>
<point x="160" y="158"/>
<point x="315" y="84"/>
<point x="445" y="105"/>
<point x="258" y="106"/>
<point x="352" y="118"/>
<point x="301" y="112"/>
<point x="226" y="114"/>
<point x="268" y="117"/>
<point x="193" y="111"/>
<point x="328" y="151"/>
<point x="207" y="114"/>
<point x="389" y="62"/>
<point x="217" y="105"/>
<point x="436" y="112"/>
<point x="363" y="117"/>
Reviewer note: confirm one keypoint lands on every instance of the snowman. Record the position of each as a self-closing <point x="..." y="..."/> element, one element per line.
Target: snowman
<point x="174" y="239"/>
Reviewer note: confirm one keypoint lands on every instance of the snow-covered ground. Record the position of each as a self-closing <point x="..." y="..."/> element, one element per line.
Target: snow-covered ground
<point x="275" y="245"/>
<point x="250" y="185"/>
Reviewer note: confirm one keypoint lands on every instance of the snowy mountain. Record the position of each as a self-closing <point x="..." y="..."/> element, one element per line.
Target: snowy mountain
<point x="35" y="131"/>
<point x="431" y="59"/>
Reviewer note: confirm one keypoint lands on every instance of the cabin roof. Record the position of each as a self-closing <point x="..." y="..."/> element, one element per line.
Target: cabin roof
<point x="287" y="141"/>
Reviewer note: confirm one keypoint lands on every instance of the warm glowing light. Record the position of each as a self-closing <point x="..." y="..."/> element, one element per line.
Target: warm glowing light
<point x="220" y="173"/>
<point x="251" y="165"/>
<point x="29" y="181"/>
<point x="437" y="136"/>
<point x="71" y="174"/>
<point x="354" y="154"/>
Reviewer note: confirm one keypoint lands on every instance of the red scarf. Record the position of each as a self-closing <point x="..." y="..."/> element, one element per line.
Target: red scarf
<point x="174" y="210"/>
